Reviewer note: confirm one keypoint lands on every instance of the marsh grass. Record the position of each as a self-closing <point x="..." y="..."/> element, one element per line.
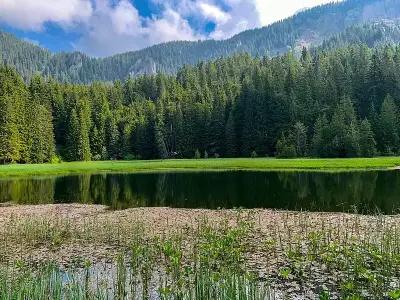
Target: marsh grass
<point x="241" y="255"/>
<point x="200" y="165"/>
<point x="211" y="268"/>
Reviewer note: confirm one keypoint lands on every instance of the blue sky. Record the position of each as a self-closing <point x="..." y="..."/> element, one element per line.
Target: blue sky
<point x="106" y="27"/>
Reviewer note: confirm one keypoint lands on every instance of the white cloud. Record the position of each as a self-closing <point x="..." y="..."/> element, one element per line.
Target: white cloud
<point x="119" y="28"/>
<point x="213" y="12"/>
<point x="270" y="11"/>
<point x="125" y="18"/>
<point x="32" y="14"/>
<point x="243" y="16"/>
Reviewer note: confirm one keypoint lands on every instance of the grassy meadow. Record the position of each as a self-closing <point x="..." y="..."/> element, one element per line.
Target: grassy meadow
<point x="200" y="165"/>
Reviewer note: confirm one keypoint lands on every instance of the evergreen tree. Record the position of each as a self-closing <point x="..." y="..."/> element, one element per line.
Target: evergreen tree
<point x="300" y="139"/>
<point x="285" y="147"/>
<point x="12" y="120"/>
<point x="321" y="137"/>
<point x="112" y="139"/>
<point x="367" y="140"/>
<point x="159" y="139"/>
<point x="388" y="127"/>
<point x="10" y="139"/>
<point x="72" y="147"/>
<point x="230" y="137"/>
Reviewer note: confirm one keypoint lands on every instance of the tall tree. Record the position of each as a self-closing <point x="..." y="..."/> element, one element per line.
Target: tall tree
<point x="388" y="127"/>
<point x="367" y="139"/>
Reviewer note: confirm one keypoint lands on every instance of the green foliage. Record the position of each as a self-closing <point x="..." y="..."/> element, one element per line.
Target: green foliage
<point x="367" y="140"/>
<point x="285" y="147"/>
<point x="293" y="144"/>
<point x="394" y="295"/>
<point x="388" y="127"/>
<point x="318" y="105"/>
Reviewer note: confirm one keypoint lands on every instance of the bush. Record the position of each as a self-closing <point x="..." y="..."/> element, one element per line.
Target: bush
<point x="56" y="159"/>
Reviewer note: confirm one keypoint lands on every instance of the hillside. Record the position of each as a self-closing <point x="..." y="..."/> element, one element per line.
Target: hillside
<point x="337" y="22"/>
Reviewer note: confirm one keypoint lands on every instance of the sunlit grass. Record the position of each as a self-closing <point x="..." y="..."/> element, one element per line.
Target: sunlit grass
<point x="201" y="164"/>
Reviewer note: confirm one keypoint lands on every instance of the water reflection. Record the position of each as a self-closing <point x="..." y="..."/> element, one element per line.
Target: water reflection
<point x="366" y="191"/>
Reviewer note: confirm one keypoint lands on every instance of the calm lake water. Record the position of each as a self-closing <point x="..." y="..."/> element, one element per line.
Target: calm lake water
<point x="366" y="192"/>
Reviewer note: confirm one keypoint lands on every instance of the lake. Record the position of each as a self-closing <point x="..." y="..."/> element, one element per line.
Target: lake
<point x="364" y="192"/>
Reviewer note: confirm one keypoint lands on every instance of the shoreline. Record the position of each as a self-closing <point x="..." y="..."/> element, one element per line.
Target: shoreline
<point x="203" y="165"/>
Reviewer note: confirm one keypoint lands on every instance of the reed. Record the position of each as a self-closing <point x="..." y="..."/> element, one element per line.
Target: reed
<point x="224" y="255"/>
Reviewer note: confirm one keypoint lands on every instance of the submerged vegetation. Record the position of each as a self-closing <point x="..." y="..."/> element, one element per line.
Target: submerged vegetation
<point x="205" y="255"/>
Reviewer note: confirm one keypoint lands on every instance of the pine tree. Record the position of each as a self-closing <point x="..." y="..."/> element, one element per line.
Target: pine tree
<point x="352" y="141"/>
<point x="72" y="147"/>
<point x="300" y="139"/>
<point x="388" y="127"/>
<point x="112" y="139"/>
<point x="320" y="138"/>
<point x="367" y="140"/>
<point x="84" y="153"/>
<point x="230" y="137"/>
<point x="285" y="147"/>
<point x="10" y="139"/>
<point x="159" y="139"/>
<point x="12" y="117"/>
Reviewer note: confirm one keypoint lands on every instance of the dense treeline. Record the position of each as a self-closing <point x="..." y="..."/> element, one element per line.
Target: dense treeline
<point x="310" y="27"/>
<point x="342" y="103"/>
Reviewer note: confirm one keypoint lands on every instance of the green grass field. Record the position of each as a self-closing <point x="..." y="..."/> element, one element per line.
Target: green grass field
<point x="382" y="163"/>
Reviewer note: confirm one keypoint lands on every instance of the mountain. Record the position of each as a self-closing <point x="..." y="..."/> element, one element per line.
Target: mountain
<point x="327" y="25"/>
<point x="371" y="34"/>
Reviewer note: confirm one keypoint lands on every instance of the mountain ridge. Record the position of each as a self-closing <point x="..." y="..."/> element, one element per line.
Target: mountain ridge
<point x="311" y="27"/>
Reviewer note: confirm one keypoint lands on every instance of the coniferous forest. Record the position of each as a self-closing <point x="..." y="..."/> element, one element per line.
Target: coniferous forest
<point x="337" y="103"/>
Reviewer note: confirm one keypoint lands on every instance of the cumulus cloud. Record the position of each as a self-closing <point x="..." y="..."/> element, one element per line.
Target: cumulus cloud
<point x="33" y="14"/>
<point x="119" y="28"/>
<point x="229" y="16"/>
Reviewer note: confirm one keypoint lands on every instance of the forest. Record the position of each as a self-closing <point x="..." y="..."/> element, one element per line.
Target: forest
<point x="336" y="103"/>
<point x="332" y="25"/>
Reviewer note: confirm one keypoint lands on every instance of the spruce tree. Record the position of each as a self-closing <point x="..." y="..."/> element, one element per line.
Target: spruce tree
<point x="72" y="151"/>
<point x="300" y="139"/>
<point x="230" y="137"/>
<point x="388" y="127"/>
<point x="159" y="139"/>
<point x="367" y="140"/>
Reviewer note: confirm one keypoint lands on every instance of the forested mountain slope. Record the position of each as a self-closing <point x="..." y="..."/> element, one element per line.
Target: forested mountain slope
<point x="336" y="103"/>
<point x="308" y="28"/>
